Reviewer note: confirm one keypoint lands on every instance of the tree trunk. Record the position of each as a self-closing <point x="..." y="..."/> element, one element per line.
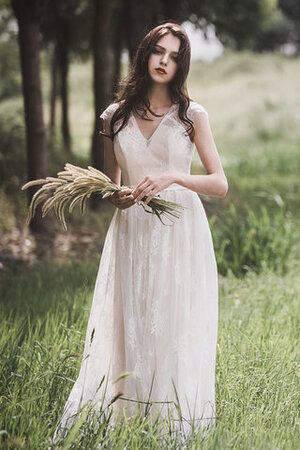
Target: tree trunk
<point x="173" y="10"/>
<point x="28" y="14"/>
<point x="117" y="53"/>
<point x="103" y="73"/>
<point x="54" y="89"/>
<point x="137" y="24"/>
<point x="297" y="32"/>
<point x="64" y="72"/>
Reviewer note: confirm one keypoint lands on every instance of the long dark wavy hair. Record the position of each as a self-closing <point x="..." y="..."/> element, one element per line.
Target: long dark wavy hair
<point x="133" y="94"/>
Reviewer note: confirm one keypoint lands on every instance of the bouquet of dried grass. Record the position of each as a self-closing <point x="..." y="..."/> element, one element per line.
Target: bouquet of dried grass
<point x="75" y="185"/>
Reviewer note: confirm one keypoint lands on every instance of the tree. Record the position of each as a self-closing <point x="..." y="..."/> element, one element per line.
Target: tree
<point x="53" y="90"/>
<point x="117" y="43"/>
<point x="236" y="23"/>
<point x="103" y="71"/>
<point x="275" y="32"/>
<point x="291" y="8"/>
<point x="66" y="32"/>
<point x="139" y="18"/>
<point x="9" y="54"/>
<point x="28" y="14"/>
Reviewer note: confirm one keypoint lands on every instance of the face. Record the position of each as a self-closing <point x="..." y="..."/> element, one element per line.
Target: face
<point x="164" y="56"/>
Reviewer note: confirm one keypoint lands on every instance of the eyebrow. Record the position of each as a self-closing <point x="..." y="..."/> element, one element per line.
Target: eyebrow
<point x="157" y="45"/>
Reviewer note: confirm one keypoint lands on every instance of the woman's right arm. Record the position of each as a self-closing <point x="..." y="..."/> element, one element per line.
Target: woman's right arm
<point x="111" y="167"/>
<point x="123" y="199"/>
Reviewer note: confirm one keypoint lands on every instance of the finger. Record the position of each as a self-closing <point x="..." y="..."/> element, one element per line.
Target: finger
<point x="118" y="201"/>
<point x="143" y="193"/>
<point x="126" y="200"/>
<point x="125" y="192"/>
<point x="127" y="204"/>
<point x="151" y="195"/>
<point x="121" y="199"/>
<point x="140" y="188"/>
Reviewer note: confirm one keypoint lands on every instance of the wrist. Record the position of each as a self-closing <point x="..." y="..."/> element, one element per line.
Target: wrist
<point x="176" y="177"/>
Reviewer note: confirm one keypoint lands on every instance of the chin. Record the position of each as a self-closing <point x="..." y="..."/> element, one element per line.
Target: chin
<point x="157" y="79"/>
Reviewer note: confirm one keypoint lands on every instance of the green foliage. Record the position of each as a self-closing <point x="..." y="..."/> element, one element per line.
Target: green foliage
<point x="277" y="30"/>
<point x="43" y="322"/>
<point x="10" y="79"/>
<point x="12" y="147"/>
<point x="291" y="8"/>
<point x="7" y="220"/>
<point x="68" y="25"/>
<point x="10" y="85"/>
<point x="252" y="240"/>
<point x="238" y="23"/>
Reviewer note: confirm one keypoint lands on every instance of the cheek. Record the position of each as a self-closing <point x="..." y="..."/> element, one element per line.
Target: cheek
<point x="152" y="61"/>
<point x="173" y="69"/>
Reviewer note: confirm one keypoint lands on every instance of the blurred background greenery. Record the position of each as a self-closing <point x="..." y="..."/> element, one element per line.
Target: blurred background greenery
<point x="250" y="88"/>
<point x="49" y="115"/>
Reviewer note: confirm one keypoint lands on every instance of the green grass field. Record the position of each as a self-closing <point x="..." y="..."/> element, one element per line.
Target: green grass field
<point x="254" y="105"/>
<point x="44" y="316"/>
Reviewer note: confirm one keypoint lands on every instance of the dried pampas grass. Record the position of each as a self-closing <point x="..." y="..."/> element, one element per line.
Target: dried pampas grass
<point x="75" y="185"/>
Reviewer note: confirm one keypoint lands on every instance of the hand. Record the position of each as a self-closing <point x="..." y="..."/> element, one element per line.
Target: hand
<point x="151" y="185"/>
<point x="122" y="199"/>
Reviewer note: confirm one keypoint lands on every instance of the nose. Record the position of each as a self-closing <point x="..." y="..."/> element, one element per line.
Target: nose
<point x="164" y="59"/>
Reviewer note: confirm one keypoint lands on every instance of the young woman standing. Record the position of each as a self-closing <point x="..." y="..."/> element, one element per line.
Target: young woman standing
<point x="155" y="307"/>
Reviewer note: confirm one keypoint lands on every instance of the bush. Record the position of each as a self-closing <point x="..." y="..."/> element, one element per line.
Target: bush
<point x="12" y="148"/>
<point x="10" y="84"/>
<point x="251" y="240"/>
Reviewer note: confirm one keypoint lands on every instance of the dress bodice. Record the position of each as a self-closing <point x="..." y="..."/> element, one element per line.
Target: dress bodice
<point x="168" y="148"/>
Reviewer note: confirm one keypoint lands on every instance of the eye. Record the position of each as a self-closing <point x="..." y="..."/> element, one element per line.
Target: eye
<point x="157" y="51"/>
<point x="175" y="58"/>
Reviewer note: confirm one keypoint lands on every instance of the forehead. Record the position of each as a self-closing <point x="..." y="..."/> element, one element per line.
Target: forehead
<point x="169" y="42"/>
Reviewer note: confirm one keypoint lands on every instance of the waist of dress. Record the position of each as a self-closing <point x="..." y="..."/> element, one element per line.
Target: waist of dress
<point x="172" y="187"/>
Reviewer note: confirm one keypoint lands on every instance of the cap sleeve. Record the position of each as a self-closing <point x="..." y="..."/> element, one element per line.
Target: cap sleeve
<point x="195" y="107"/>
<point x="109" y="111"/>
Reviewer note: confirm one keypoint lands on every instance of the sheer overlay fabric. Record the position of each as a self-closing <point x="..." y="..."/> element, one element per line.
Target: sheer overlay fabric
<point x="155" y="305"/>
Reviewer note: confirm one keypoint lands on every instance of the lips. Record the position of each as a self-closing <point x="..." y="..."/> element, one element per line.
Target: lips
<point x="160" y="70"/>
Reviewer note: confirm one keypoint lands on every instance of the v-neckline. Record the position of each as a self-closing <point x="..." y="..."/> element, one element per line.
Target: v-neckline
<point x="156" y="129"/>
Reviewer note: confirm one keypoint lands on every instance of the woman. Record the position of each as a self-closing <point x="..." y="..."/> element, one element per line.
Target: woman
<point x="155" y="307"/>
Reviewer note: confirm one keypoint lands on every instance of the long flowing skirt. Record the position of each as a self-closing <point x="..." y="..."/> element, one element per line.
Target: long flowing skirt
<point x="154" y="315"/>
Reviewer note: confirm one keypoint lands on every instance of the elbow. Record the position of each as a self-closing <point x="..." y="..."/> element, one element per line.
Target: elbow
<point x="223" y="189"/>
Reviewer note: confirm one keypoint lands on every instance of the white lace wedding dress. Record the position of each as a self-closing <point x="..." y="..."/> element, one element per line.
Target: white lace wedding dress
<point x="155" y="304"/>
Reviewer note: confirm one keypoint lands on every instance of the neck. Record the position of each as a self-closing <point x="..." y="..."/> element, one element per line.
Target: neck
<point x="159" y="95"/>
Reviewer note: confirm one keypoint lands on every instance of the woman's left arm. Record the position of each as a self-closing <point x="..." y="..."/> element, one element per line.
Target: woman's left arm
<point x="213" y="183"/>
